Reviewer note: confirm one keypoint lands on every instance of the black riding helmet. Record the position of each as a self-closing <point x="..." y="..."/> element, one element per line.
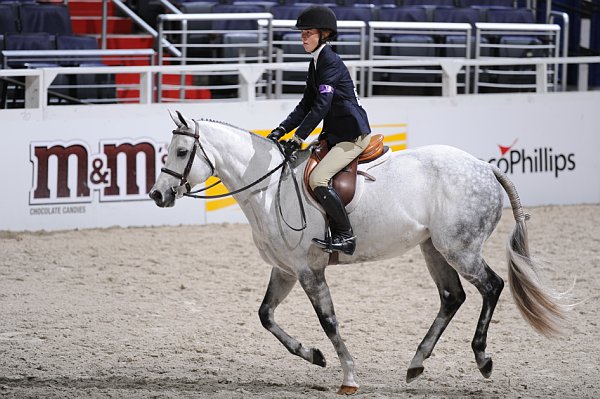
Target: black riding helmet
<point x="318" y="17"/>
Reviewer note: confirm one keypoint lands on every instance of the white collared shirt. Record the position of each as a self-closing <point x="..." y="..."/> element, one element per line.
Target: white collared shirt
<point x="316" y="53"/>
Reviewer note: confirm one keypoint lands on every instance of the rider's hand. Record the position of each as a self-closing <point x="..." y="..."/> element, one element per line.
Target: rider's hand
<point x="291" y="146"/>
<point x="276" y="133"/>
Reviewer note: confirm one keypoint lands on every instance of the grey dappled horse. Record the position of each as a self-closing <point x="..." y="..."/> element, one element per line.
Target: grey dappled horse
<point x="438" y="197"/>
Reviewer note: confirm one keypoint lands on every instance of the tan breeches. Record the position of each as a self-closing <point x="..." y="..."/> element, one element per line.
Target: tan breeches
<point x="336" y="159"/>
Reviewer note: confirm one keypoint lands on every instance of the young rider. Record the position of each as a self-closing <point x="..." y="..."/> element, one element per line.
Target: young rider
<point x="329" y="96"/>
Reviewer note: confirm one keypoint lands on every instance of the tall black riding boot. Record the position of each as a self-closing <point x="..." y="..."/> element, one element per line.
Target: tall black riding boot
<point x="343" y="238"/>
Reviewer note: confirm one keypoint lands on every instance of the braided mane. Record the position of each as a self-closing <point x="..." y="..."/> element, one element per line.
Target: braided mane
<point x="224" y="124"/>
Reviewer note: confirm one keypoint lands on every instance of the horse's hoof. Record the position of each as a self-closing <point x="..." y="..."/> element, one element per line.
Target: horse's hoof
<point x="413" y="373"/>
<point x="347" y="390"/>
<point x="486" y="368"/>
<point x="318" y="358"/>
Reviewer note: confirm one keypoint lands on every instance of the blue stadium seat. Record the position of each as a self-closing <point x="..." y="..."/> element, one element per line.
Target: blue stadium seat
<point x="404" y="14"/>
<point x="286" y="11"/>
<point x="485" y="3"/>
<point x="240" y="38"/>
<point x="197" y="7"/>
<point x="457" y="15"/>
<point x="236" y="24"/>
<point x="511" y="15"/>
<point x="8" y="18"/>
<point x="78" y="42"/>
<point x="266" y="5"/>
<point x="50" y="18"/>
<point x="346" y="13"/>
<point x="412" y="51"/>
<point x="89" y="86"/>
<point x="295" y="48"/>
<point x="28" y="41"/>
<point x="522" y="52"/>
<point x="436" y="3"/>
<point x="353" y="49"/>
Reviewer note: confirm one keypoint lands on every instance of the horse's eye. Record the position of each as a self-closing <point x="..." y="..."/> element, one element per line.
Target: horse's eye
<point x="182" y="152"/>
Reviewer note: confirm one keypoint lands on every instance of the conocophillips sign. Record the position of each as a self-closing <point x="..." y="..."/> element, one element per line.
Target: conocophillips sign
<point x="542" y="159"/>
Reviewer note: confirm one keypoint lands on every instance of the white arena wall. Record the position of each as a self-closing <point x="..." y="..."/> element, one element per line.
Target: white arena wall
<point x="90" y="166"/>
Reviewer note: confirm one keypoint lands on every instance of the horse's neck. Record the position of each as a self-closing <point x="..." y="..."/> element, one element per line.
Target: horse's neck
<point x="240" y="157"/>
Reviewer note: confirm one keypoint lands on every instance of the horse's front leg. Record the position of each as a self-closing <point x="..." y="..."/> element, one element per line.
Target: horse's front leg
<point x="314" y="284"/>
<point x="279" y="287"/>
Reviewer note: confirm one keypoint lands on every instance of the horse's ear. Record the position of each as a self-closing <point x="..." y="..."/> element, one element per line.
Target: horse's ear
<point x="174" y="118"/>
<point x="182" y="119"/>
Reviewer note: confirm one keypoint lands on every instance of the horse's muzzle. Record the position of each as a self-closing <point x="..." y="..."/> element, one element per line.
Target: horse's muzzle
<point x="162" y="200"/>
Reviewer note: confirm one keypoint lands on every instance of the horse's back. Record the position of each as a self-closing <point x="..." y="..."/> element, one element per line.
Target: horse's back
<point x="432" y="191"/>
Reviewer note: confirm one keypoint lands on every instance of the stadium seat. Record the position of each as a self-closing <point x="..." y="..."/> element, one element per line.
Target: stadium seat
<point x="239" y="51"/>
<point x="294" y="48"/>
<point x="457" y="15"/>
<point x="197" y="7"/>
<point x="239" y="39"/>
<point x="412" y="51"/>
<point x="28" y="41"/>
<point x="437" y="3"/>
<point x="345" y="13"/>
<point x="266" y="5"/>
<point x="485" y="3"/>
<point x="511" y="15"/>
<point x="287" y="11"/>
<point x="50" y="18"/>
<point x="404" y="50"/>
<point x="523" y="51"/>
<point x="354" y="49"/>
<point x="78" y="42"/>
<point x="236" y="24"/>
<point x="88" y="87"/>
<point x="8" y="18"/>
<point x="404" y="14"/>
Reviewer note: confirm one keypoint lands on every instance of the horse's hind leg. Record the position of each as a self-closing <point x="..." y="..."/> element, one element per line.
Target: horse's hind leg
<point x="451" y="297"/>
<point x="490" y="286"/>
<point x="280" y="285"/>
<point x="316" y="288"/>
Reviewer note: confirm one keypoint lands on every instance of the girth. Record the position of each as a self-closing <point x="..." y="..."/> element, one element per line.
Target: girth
<point x="344" y="182"/>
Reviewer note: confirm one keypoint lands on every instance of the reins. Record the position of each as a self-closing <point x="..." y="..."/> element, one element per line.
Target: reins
<point x="194" y="194"/>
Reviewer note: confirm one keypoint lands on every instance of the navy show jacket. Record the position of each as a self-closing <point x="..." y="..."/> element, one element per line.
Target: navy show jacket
<point x="329" y="96"/>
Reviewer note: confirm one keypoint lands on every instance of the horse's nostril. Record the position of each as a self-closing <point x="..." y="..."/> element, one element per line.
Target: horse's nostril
<point x="156" y="196"/>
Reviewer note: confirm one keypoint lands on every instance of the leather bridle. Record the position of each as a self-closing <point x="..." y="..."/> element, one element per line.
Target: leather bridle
<point x="183" y="177"/>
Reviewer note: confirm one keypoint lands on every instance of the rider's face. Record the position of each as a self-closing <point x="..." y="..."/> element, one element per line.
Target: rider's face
<point x="310" y="40"/>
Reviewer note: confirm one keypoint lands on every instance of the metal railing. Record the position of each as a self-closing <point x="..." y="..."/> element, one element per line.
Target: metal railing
<point x="37" y="81"/>
<point x="502" y="40"/>
<point x="214" y="46"/>
<point x="412" y="40"/>
<point x="74" y="87"/>
<point x="277" y="41"/>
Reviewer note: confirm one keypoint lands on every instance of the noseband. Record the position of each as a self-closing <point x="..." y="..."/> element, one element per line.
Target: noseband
<point x="183" y="177"/>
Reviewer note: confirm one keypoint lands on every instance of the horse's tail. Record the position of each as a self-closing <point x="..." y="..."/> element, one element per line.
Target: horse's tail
<point x="542" y="308"/>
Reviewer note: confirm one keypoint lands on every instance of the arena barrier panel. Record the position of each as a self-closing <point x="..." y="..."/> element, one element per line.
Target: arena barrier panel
<point x="91" y="166"/>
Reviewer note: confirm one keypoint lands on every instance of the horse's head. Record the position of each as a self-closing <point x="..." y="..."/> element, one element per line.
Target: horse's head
<point x="181" y="172"/>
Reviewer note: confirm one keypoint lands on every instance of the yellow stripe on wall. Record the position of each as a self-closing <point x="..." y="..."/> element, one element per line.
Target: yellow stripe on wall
<point x="216" y="204"/>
